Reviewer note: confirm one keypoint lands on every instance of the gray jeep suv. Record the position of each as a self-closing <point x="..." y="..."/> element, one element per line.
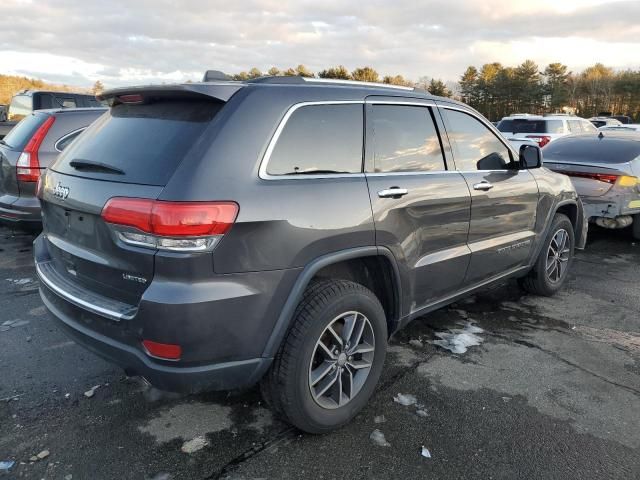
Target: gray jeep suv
<point x="220" y="234"/>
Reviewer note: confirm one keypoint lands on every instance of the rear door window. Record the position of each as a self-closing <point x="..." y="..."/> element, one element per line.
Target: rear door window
<point x="19" y="135"/>
<point x="405" y="139"/>
<point x="575" y="126"/>
<point x="319" y="139"/>
<point x="68" y="103"/>
<point x="145" y="142"/>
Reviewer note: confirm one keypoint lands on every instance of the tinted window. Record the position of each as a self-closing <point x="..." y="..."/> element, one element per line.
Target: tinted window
<point x="19" y="135"/>
<point x="319" y="139"/>
<point x="405" y="139"/>
<point x="147" y="142"/>
<point x="523" y="125"/>
<point x="68" y="103"/>
<point x="599" y="123"/>
<point x="575" y="126"/>
<point x="593" y="149"/>
<point x="475" y="147"/>
<point x="21" y="106"/>
<point x="65" y="141"/>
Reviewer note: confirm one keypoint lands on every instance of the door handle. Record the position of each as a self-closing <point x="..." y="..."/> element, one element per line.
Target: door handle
<point x="393" y="192"/>
<point x="483" y="186"/>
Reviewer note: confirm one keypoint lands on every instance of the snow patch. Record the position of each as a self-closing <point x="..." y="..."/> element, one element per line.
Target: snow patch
<point x="377" y="437"/>
<point x="405" y="399"/>
<point x="460" y="339"/>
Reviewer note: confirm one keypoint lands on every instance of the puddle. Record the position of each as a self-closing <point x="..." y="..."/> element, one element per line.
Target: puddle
<point x="187" y="421"/>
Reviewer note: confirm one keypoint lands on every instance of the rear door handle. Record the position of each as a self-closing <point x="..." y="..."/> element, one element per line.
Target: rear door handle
<point x="483" y="186"/>
<point x="393" y="192"/>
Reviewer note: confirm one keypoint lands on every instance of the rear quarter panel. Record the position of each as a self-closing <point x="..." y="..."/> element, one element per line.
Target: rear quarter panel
<point x="283" y="223"/>
<point x="555" y="190"/>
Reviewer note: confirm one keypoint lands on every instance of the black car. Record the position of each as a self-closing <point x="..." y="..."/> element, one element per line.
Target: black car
<point x="215" y="235"/>
<point x="30" y="147"/>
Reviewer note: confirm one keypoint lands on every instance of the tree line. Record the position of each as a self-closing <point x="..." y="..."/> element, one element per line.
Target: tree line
<point x="497" y="91"/>
<point x="493" y="89"/>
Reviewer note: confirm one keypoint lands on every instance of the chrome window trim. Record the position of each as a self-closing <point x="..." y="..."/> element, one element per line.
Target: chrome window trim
<point x="262" y="171"/>
<point x="64" y="137"/>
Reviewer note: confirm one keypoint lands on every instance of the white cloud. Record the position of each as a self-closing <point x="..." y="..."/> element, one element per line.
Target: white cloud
<point x="123" y="42"/>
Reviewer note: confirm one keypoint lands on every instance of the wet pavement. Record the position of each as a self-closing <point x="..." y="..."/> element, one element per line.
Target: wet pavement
<point x="547" y="388"/>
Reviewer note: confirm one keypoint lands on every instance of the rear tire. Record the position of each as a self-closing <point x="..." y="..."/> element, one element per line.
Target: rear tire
<point x="635" y="227"/>
<point x="554" y="260"/>
<point x="339" y="328"/>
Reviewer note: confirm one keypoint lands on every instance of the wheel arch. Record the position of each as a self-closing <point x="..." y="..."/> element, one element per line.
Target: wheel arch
<point x="338" y="262"/>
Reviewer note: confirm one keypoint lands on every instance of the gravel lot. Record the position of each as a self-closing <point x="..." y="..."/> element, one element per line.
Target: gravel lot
<point x="553" y="391"/>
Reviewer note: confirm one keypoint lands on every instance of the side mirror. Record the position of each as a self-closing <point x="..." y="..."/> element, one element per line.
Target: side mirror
<point x="530" y="157"/>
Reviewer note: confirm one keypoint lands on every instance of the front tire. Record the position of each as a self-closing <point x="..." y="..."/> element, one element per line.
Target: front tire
<point x="330" y="362"/>
<point x="554" y="260"/>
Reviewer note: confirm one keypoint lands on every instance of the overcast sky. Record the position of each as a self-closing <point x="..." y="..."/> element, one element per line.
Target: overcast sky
<point x="128" y="42"/>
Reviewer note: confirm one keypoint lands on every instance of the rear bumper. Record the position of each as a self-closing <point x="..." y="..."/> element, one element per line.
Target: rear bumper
<point x="222" y="325"/>
<point x="611" y="206"/>
<point x="20" y="210"/>
<point x="216" y="376"/>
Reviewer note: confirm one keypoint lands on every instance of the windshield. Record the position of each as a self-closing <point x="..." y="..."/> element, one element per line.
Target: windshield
<point x="138" y="143"/>
<point x="593" y="149"/>
<point x="523" y="125"/>
<point x="19" y="135"/>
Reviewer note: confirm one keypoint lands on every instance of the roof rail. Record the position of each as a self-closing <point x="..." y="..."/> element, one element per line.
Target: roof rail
<point x="557" y="115"/>
<point x="296" y="79"/>
<point x="355" y="83"/>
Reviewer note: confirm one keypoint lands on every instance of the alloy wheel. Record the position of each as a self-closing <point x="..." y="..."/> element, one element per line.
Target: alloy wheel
<point x="558" y="256"/>
<point x="341" y="360"/>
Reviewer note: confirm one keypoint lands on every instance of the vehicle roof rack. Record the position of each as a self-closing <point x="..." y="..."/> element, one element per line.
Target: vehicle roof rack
<point x="296" y="79"/>
<point x="557" y="115"/>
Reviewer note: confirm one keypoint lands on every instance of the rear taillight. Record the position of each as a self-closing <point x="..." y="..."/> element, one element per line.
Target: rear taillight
<point x="28" y="165"/>
<point x="541" y="140"/>
<point x="601" y="177"/>
<point x="177" y="226"/>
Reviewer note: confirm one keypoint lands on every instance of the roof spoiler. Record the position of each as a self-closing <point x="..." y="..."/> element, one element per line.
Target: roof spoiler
<point x="222" y="91"/>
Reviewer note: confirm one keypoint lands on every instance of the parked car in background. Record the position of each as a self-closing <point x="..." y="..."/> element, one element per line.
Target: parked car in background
<point x="542" y="129"/>
<point x="30" y="147"/>
<point x="3" y="113"/>
<point x="605" y="168"/>
<point x="28" y="101"/>
<point x="630" y="127"/>
<point x="605" y="122"/>
<point x="252" y="237"/>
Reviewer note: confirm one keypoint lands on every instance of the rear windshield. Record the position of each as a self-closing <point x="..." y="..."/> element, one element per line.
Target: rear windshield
<point x="138" y="143"/>
<point x="19" y="135"/>
<point x="592" y="150"/>
<point x="522" y="125"/>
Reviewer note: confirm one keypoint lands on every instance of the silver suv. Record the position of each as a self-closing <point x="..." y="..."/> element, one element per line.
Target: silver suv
<point x="542" y="129"/>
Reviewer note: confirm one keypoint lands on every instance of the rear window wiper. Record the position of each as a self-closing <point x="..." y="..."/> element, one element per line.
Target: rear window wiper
<point x="94" y="166"/>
